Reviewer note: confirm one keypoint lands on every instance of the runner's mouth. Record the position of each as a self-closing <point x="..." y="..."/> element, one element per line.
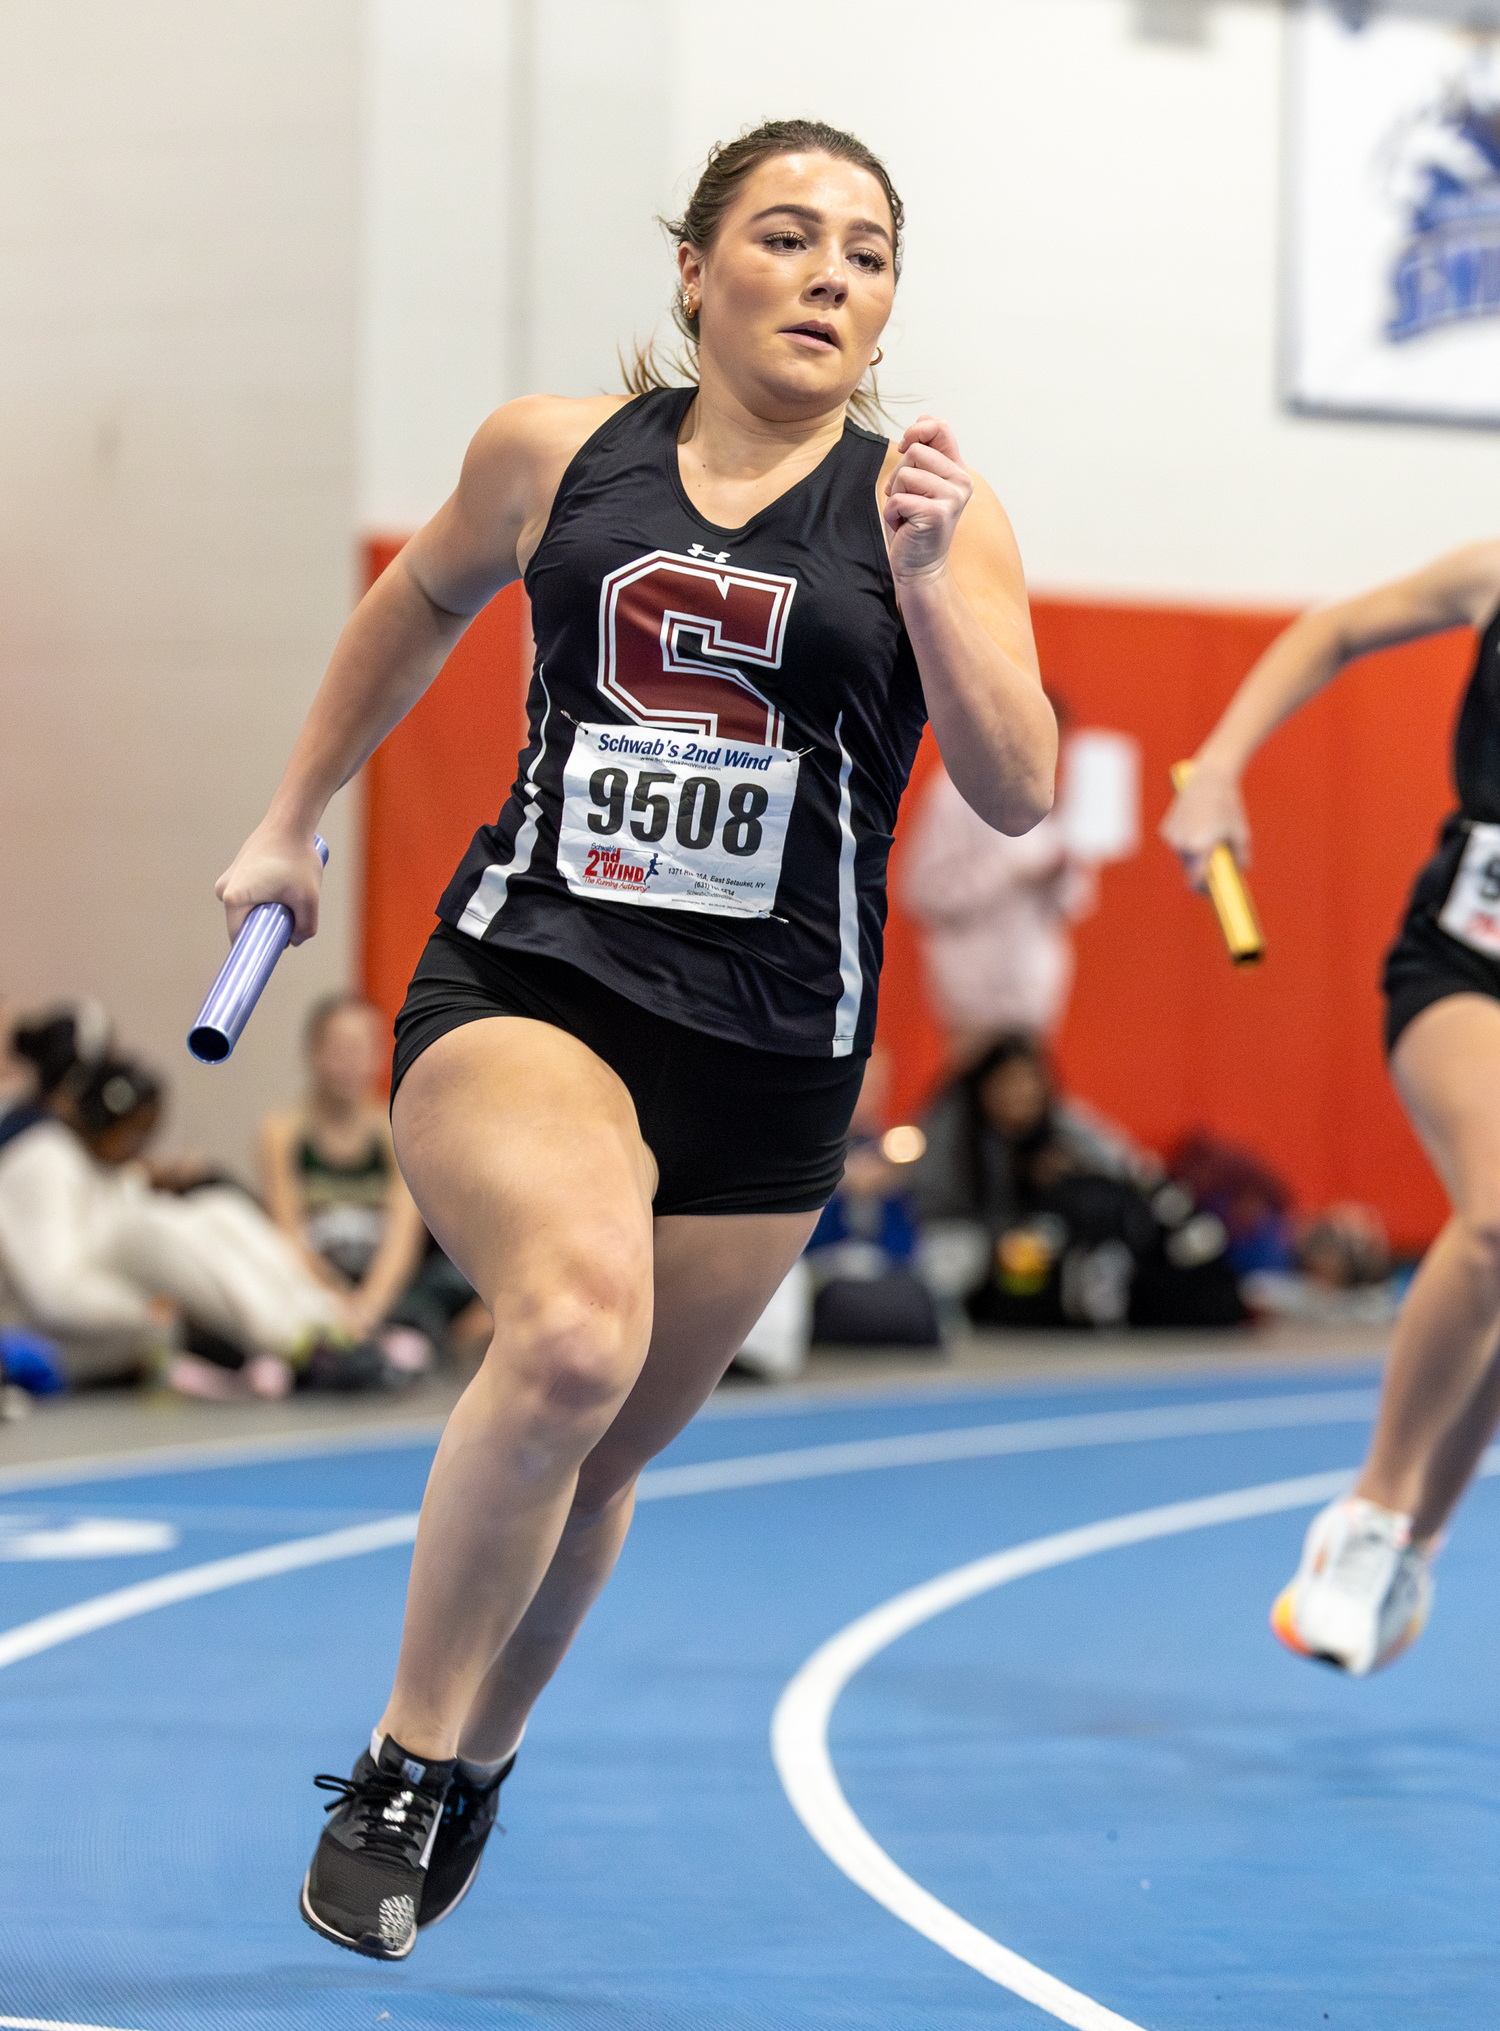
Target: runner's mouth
<point x="820" y="334"/>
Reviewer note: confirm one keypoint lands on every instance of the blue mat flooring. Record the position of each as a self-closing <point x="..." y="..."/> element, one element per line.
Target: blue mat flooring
<point x="1110" y="1768"/>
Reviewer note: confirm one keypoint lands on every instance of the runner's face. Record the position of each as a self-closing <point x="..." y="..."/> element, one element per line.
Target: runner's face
<point x="797" y="286"/>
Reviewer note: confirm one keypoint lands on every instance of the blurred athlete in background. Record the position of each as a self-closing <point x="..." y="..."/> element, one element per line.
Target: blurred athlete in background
<point x="625" y="1068"/>
<point x="1362" y="1591"/>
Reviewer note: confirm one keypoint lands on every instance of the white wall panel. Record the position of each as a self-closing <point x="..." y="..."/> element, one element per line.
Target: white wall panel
<point x="176" y="335"/>
<point x="438" y="245"/>
<point x="1091" y="291"/>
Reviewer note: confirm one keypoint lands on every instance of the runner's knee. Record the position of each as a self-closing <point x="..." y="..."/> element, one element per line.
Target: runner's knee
<point x="580" y="1338"/>
<point x="1479" y="1232"/>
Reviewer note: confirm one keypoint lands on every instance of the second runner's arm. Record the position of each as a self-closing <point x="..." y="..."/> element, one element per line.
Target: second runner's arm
<point x="963" y="600"/>
<point x="1457" y="590"/>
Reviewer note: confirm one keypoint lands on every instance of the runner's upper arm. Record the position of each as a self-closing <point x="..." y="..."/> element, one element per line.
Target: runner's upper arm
<point x="1459" y="589"/>
<point x="986" y="567"/>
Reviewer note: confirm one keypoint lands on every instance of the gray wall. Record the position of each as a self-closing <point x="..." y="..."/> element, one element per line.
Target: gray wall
<point x="177" y="321"/>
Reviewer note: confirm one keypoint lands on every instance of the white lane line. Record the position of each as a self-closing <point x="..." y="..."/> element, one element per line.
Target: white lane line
<point x="85" y="1537"/>
<point x="48" y="2024"/>
<point x="124" y="1603"/>
<point x="799" y="1727"/>
<point x="28" y="1639"/>
<point x="1051" y="1376"/>
<point x="1028" y="1435"/>
<point x="201" y="1453"/>
<point x="198" y="1454"/>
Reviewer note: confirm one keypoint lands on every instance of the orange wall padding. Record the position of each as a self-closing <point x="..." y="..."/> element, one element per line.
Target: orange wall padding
<point x="1162" y="1034"/>
<point x="445" y="770"/>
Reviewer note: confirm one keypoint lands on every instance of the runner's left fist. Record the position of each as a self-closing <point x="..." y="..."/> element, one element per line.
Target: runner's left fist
<point x="924" y="498"/>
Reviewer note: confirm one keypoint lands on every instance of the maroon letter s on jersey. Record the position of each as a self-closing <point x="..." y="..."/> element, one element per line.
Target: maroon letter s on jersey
<point x="651" y="609"/>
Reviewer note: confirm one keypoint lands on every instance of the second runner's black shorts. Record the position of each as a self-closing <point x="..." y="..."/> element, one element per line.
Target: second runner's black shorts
<point x="1426" y="965"/>
<point x="732" y="1129"/>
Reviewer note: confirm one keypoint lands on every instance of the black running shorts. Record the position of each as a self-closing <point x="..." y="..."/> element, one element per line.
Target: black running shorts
<point x="733" y="1130"/>
<point x="1426" y="965"/>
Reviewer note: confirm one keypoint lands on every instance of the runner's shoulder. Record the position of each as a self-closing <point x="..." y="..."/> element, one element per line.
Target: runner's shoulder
<point x="539" y="433"/>
<point x="511" y="473"/>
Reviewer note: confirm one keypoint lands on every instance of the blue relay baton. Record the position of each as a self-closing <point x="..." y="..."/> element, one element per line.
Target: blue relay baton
<point x="259" y="943"/>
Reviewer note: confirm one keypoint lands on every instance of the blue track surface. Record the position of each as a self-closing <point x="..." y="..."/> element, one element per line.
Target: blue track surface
<point x="1110" y="1768"/>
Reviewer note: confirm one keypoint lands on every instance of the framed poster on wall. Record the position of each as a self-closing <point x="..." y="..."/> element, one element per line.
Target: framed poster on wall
<point x="1392" y="293"/>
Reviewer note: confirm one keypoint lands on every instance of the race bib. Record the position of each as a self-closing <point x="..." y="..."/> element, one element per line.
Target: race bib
<point x="676" y="820"/>
<point x="1472" y="911"/>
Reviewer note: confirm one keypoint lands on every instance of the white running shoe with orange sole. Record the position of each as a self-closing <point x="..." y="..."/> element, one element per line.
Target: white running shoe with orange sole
<point x="1362" y="1592"/>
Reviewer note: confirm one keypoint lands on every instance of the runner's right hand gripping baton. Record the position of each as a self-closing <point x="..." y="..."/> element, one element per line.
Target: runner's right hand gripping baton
<point x="259" y="943"/>
<point x="1227" y="892"/>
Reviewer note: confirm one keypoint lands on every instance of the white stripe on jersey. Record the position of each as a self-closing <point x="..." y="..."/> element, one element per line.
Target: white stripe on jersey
<point x="846" y="1017"/>
<point x="488" y="899"/>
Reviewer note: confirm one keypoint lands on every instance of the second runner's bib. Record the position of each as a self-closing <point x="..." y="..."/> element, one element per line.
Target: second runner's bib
<point x="675" y="820"/>
<point x="1472" y="911"/>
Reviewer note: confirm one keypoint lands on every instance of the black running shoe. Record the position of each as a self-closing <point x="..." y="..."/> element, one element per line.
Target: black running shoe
<point x="367" y="1873"/>
<point x="468" y="1816"/>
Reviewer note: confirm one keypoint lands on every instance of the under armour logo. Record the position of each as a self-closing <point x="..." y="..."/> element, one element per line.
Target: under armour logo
<point x="708" y="556"/>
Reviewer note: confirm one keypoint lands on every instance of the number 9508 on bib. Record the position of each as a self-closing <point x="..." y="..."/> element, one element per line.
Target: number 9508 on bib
<point x="677" y="820"/>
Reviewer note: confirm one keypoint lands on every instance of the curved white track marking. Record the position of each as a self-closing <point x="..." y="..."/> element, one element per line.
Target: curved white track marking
<point x="799" y="1728"/>
<point x="1025" y="1435"/>
<point x="193" y="1581"/>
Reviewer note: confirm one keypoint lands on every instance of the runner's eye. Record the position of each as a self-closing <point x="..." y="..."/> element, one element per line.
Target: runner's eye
<point x="869" y="260"/>
<point x="785" y="242"/>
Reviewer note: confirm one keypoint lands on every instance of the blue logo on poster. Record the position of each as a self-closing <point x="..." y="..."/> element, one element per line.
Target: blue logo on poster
<point x="1447" y="172"/>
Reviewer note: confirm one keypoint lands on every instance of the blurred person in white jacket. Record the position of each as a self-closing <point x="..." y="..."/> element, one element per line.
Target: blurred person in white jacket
<point x="94" y="1255"/>
<point x="994" y="912"/>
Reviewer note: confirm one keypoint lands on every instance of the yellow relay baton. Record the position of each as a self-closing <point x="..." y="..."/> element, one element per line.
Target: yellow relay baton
<point x="1228" y="894"/>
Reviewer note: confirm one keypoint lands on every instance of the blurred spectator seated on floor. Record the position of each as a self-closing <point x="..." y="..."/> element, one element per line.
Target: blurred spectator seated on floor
<point x="1246" y="1194"/>
<point x="863" y="1251"/>
<point x="1330" y="1267"/>
<point x="18" y="1076"/>
<point x="131" y="1268"/>
<point x="1344" y="1247"/>
<point x="1343" y="1272"/>
<point x="30" y="1364"/>
<point x="329" y="1178"/>
<point x="1067" y="1222"/>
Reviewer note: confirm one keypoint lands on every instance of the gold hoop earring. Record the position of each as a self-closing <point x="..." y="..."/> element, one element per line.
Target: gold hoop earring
<point x="879" y="356"/>
<point x="690" y="310"/>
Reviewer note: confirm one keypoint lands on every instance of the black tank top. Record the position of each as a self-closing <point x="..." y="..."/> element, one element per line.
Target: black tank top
<point x="720" y="726"/>
<point x="1476" y="742"/>
<point x="1476" y="774"/>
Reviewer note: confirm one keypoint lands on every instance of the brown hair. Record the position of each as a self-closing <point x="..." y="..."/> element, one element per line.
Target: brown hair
<point x="728" y="165"/>
<point x="322" y="1013"/>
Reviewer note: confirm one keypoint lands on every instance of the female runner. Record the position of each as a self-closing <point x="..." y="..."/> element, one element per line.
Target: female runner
<point x="627" y="1061"/>
<point x="1362" y="1590"/>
